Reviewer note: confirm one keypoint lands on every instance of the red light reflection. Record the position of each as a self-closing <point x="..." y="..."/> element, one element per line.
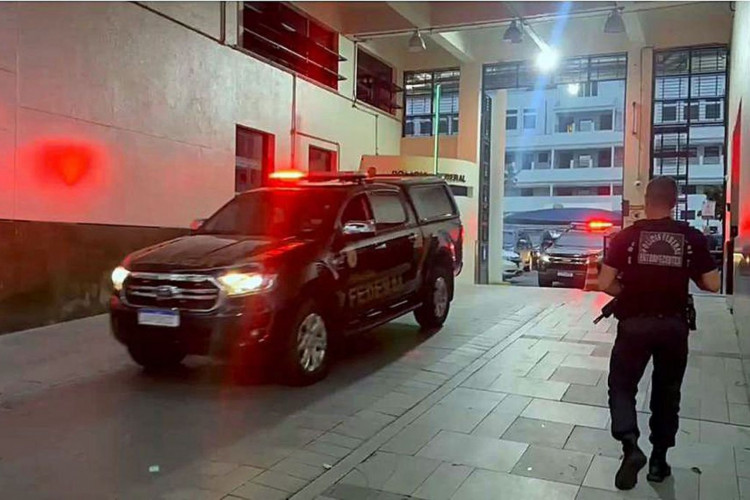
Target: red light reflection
<point x="68" y="161"/>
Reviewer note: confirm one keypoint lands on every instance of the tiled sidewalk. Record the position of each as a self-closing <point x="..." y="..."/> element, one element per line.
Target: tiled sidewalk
<point x="507" y="401"/>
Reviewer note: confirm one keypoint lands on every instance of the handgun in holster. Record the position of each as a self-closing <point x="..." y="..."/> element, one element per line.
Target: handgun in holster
<point x="607" y="311"/>
<point x="691" y="315"/>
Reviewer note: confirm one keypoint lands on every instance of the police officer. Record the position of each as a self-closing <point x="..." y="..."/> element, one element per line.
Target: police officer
<point x="648" y="267"/>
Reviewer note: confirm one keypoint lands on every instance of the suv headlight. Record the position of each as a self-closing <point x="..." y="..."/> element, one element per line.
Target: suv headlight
<point x="236" y="284"/>
<point x="118" y="277"/>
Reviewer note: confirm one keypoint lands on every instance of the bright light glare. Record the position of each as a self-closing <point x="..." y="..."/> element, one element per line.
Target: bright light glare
<point x="243" y="283"/>
<point x="118" y="277"/>
<point x="573" y="88"/>
<point x="599" y="224"/>
<point x="545" y="258"/>
<point x="547" y="60"/>
<point x="287" y="175"/>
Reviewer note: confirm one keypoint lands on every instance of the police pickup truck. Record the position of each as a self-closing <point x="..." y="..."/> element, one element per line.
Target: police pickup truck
<point x="285" y="270"/>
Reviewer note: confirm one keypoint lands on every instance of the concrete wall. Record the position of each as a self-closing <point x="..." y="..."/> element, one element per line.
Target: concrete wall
<point x="739" y="157"/>
<point x="158" y="105"/>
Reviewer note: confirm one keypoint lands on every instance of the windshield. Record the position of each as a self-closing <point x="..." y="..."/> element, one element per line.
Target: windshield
<point x="580" y="240"/>
<point x="276" y="213"/>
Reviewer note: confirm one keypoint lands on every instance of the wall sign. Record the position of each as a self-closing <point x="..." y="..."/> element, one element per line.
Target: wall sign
<point x="447" y="177"/>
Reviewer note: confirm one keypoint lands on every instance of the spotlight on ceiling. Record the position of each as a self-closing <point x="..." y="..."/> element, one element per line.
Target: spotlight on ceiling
<point x="547" y="59"/>
<point x="513" y="34"/>
<point x="574" y="88"/>
<point x="416" y="42"/>
<point x="614" y="23"/>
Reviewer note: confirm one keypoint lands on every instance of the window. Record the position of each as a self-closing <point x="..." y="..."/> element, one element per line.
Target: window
<point x="605" y="158"/>
<point x="357" y="210"/>
<point x="528" y="161"/>
<point x="605" y="121"/>
<point x="711" y="154"/>
<point x="669" y="113"/>
<point x="529" y="119"/>
<point x="619" y="156"/>
<point x="543" y="157"/>
<point x="586" y="125"/>
<point x="695" y="112"/>
<point x="321" y="160"/>
<point x="687" y="214"/>
<point x="527" y="192"/>
<point x="617" y="190"/>
<point x="279" y="33"/>
<point x="589" y="89"/>
<point x="582" y="191"/>
<point x="713" y="111"/>
<point x="566" y="159"/>
<point x="511" y="119"/>
<point x="419" y="107"/>
<point x="387" y="209"/>
<point x="510" y="159"/>
<point x="375" y="82"/>
<point x="432" y="202"/>
<point x="253" y="158"/>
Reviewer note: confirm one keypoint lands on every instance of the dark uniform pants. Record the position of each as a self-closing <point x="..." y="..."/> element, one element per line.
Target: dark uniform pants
<point x="665" y="338"/>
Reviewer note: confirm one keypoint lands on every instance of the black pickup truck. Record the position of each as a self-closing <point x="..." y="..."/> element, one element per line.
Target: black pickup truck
<point x="285" y="270"/>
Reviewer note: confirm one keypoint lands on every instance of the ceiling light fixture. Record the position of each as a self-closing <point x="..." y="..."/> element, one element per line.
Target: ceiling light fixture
<point x="513" y="34"/>
<point x="614" y="23"/>
<point x="416" y="42"/>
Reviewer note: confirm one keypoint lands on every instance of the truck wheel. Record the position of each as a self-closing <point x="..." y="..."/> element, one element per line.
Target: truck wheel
<point x="436" y="301"/>
<point x="307" y="349"/>
<point x="544" y="282"/>
<point x="156" y="358"/>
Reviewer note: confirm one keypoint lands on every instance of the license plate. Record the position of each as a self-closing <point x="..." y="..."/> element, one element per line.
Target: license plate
<point x="565" y="274"/>
<point x="156" y="317"/>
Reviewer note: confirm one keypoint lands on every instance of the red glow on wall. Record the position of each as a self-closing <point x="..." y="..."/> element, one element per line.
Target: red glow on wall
<point x="67" y="161"/>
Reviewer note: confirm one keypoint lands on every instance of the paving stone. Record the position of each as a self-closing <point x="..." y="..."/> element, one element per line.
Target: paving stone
<point x="396" y="403"/>
<point x="586" y="493"/>
<point x="580" y="376"/>
<point x="343" y="491"/>
<point x="484" y="484"/>
<point x="230" y="481"/>
<point x="547" y="389"/>
<point x="280" y="481"/>
<point x="742" y="459"/>
<point x="719" y="486"/>
<point x="393" y="473"/>
<point x="328" y="449"/>
<point x="312" y="458"/>
<point x="587" y="395"/>
<point x="252" y="454"/>
<point x="725" y="434"/>
<point x="466" y="398"/>
<point x="453" y="418"/>
<point x="320" y="421"/>
<point x="595" y="441"/>
<point x="252" y="491"/>
<point x="411" y="439"/>
<point x="443" y="482"/>
<point x="213" y="468"/>
<point x="604" y="351"/>
<point x="744" y="484"/>
<point x="567" y="413"/>
<point x="683" y="484"/>
<point x="739" y="414"/>
<point x="363" y="425"/>
<point x="476" y="451"/>
<point x="709" y="458"/>
<point x="339" y="440"/>
<point x="541" y="432"/>
<point x="192" y="494"/>
<point x="588" y="362"/>
<point x="553" y="464"/>
<point x="495" y="424"/>
<point x="299" y="469"/>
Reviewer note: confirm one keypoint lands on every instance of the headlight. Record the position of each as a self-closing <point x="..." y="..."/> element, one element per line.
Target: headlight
<point x="545" y="259"/>
<point x="118" y="277"/>
<point x="245" y="283"/>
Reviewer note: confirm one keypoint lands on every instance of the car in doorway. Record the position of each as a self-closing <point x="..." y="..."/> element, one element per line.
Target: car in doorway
<point x="279" y="274"/>
<point x="520" y="242"/>
<point x="565" y="260"/>
<point x="512" y="265"/>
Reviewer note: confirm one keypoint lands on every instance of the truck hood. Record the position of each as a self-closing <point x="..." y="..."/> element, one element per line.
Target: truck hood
<point x="208" y="251"/>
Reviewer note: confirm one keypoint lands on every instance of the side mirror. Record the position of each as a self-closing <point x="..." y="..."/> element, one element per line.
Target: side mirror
<point x="359" y="228"/>
<point x="196" y="224"/>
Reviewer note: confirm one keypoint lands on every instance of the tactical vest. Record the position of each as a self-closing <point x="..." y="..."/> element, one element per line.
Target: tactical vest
<point x="657" y="274"/>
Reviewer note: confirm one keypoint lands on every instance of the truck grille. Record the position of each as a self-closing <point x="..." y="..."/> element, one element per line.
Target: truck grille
<point x="188" y="292"/>
<point x="568" y="263"/>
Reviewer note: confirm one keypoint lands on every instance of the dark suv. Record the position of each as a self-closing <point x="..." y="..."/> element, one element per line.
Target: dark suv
<point x="565" y="260"/>
<point x="285" y="270"/>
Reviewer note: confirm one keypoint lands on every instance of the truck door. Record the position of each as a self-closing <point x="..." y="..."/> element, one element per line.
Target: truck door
<point x="399" y="241"/>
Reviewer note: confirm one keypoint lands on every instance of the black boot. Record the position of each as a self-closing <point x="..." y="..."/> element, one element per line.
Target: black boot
<point x="658" y="468"/>
<point x="633" y="461"/>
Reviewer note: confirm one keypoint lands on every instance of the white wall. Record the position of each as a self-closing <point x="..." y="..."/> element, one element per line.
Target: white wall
<point x="156" y="104"/>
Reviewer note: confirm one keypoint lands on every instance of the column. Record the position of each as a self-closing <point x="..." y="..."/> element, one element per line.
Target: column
<point x="497" y="186"/>
<point x="469" y="109"/>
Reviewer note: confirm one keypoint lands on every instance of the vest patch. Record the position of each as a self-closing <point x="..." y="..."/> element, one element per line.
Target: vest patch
<point x="660" y="248"/>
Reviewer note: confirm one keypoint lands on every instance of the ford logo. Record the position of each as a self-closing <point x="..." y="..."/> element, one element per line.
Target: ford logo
<point x="166" y="291"/>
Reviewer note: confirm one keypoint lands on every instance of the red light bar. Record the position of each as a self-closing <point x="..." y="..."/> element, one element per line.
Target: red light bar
<point x="599" y="225"/>
<point x="287" y="175"/>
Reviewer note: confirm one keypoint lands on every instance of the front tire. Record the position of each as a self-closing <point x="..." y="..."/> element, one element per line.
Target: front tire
<point x="544" y="282"/>
<point x="307" y="348"/>
<point x="156" y="358"/>
<point x="437" y="296"/>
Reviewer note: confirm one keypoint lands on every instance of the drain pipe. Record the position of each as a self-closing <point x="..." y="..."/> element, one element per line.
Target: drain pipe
<point x="293" y="131"/>
<point x="223" y="23"/>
